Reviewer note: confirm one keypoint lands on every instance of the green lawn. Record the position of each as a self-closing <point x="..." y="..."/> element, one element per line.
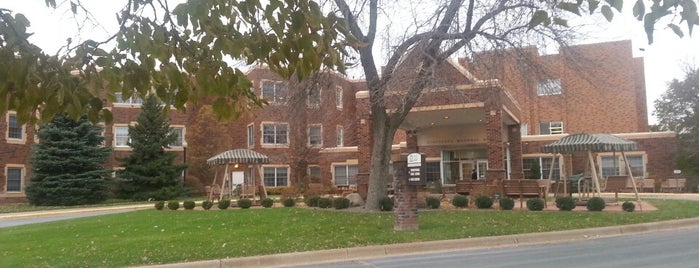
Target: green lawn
<point x="151" y="236"/>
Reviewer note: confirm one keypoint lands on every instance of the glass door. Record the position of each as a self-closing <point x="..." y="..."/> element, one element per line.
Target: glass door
<point x="466" y="169"/>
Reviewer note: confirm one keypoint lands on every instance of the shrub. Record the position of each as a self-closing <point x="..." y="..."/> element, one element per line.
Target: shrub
<point x="173" y="204"/>
<point x="595" y="204"/>
<point x="207" y="204"/>
<point x="565" y="203"/>
<point x="289" y="202"/>
<point x="244" y="203"/>
<point x="459" y="201"/>
<point x="432" y="202"/>
<point x="313" y="201"/>
<point x="628" y="206"/>
<point x="224" y="203"/>
<point x="267" y="202"/>
<point x="507" y="203"/>
<point x="535" y="204"/>
<point x="325" y="202"/>
<point x="341" y="203"/>
<point x="188" y="205"/>
<point x="484" y="201"/>
<point x="386" y="204"/>
<point x="159" y="205"/>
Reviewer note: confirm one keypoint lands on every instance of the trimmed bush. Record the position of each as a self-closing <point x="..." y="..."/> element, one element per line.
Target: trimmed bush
<point x="173" y="204"/>
<point x="206" y="205"/>
<point x="459" y="201"/>
<point x="159" y="205"/>
<point x="189" y="204"/>
<point x="312" y="201"/>
<point x="267" y="202"/>
<point x="535" y="204"/>
<point x="432" y="202"/>
<point x="628" y="206"/>
<point x="244" y="203"/>
<point x="289" y="202"/>
<point x="595" y="204"/>
<point x="484" y="201"/>
<point x="565" y="203"/>
<point x="341" y="203"/>
<point x="386" y="204"/>
<point x="325" y="202"/>
<point x="224" y="203"/>
<point x="507" y="203"/>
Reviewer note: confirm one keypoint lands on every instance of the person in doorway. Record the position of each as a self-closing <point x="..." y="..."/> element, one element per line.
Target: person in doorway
<point x="474" y="175"/>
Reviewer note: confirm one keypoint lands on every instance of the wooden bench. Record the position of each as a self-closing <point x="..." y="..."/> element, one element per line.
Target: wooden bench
<point x="525" y="188"/>
<point x="673" y="185"/>
<point x="615" y="184"/>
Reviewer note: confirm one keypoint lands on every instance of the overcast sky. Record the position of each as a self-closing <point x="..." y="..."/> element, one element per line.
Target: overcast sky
<point x="664" y="59"/>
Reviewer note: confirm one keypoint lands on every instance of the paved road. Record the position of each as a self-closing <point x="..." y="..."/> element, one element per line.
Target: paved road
<point x="24" y="218"/>
<point x="660" y="249"/>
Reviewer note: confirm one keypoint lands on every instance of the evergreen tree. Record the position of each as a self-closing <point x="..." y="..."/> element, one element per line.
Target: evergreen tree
<point x="68" y="164"/>
<point x="149" y="172"/>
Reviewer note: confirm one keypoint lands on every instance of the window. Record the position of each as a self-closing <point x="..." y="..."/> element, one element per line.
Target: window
<point x="340" y="137"/>
<point x="275" y="134"/>
<point x="315" y="136"/>
<point x="547" y="128"/>
<point x="524" y="129"/>
<point x="15" y="131"/>
<point x="432" y="172"/>
<point x="276" y="176"/>
<point x="338" y="97"/>
<point x="251" y="135"/>
<point x="314" y="174"/>
<point x="274" y="92"/>
<point x="530" y="164"/>
<point x="131" y="100"/>
<point x="549" y="87"/>
<point x="614" y="165"/>
<point x="314" y="96"/>
<point x="179" y="132"/>
<point x="345" y="175"/>
<point x="14" y="179"/>
<point x="121" y="136"/>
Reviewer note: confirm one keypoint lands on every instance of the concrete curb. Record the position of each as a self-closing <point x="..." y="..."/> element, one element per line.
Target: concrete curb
<point x="379" y="251"/>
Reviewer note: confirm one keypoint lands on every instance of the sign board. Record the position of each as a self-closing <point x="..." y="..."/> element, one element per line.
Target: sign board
<point x="416" y="174"/>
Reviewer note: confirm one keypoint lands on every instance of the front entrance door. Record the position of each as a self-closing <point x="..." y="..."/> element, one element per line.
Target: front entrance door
<point x="466" y="169"/>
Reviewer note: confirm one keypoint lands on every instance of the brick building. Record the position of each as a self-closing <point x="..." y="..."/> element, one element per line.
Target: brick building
<point x="490" y="114"/>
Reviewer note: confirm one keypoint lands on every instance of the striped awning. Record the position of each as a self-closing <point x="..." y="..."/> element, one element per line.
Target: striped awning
<point x="238" y="156"/>
<point x="589" y="142"/>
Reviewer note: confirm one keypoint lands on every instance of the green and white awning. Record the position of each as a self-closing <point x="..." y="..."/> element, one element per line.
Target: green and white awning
<point x="238" y="156"/>
<point x="589" y="142"/>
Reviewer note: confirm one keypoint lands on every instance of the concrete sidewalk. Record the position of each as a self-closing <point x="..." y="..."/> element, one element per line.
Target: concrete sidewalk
<point x="71" y="211"/>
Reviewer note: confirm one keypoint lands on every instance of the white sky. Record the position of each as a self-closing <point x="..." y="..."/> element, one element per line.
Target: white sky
<point x="664" y="59"/>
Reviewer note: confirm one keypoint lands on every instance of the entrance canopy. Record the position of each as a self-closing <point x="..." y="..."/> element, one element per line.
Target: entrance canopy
<point x="589" y="142"/>
<point x="238" y="156"/>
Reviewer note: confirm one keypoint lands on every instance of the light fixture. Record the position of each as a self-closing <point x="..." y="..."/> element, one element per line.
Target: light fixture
<point x="235" y="166"/>
<point x="446" y="117"/>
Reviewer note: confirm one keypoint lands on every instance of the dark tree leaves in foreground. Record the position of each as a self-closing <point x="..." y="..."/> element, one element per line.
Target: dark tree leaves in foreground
<point x="150" y="172"/>
<point x="68" y="164"/>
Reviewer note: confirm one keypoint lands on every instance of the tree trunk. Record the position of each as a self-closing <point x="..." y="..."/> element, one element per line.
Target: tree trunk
<point x="382" y="134"/>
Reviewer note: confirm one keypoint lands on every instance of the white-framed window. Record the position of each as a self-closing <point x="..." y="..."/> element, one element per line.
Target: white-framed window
<point x="15" y="178"/>
<point x="338" y="97"/>
<point x="524" y="129"/>
<point x="131" y="100"/>
<point x="275" y="133"/>
<point x="529" y="164"/>
<point x="15" y="131"/>
<point x="313" y="96"/>
<point x="275" y="176"/>
<point x="314" y="174"/>
<point x="274" y="91"/>
<point x="251" y="135"/>
<point x="345" y="174"/>
<point x="315" y="135"/>
<point x="340" y="136"/>
<point x="554" y="127"/>
<point x="121" y="136"/>
<point x="613" y="165"/>
<point x="549" y="87"/>
<point x="179" y="132"/>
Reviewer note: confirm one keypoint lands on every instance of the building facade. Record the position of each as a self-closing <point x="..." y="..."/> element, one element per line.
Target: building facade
<point x="489" y="114"/>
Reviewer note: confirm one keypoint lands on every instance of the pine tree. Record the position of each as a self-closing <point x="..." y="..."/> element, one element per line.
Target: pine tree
<point x="68" y="164"/>
<point x="149" y="172"/>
